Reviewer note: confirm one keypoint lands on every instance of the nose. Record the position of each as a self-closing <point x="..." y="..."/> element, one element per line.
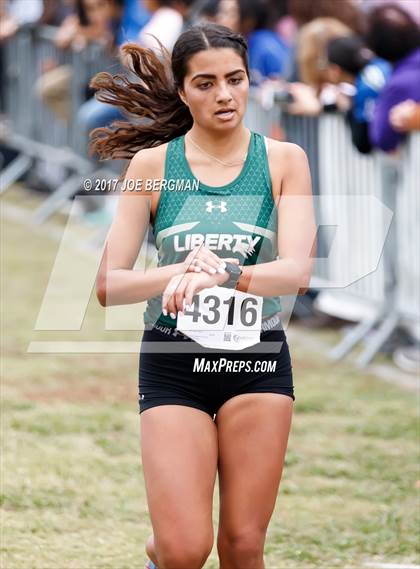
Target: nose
<point x="223" y="93"/>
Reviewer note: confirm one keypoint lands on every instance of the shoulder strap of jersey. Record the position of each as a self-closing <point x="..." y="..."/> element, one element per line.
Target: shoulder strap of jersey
<point x="262" y="150"/>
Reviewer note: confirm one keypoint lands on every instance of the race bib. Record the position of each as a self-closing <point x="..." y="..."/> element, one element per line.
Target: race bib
<point x="223" y="318"/>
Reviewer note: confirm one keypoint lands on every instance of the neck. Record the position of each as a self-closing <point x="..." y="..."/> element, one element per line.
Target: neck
<point x="221" y="144"/>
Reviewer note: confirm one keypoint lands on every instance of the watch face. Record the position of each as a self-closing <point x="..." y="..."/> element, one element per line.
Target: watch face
<point x="233" y="269"/>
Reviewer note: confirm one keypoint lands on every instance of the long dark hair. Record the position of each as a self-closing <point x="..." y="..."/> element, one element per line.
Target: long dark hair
<point x="155" y="112"/>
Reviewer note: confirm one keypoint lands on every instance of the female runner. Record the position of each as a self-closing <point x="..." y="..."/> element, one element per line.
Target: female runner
<point x="246" y="233"/>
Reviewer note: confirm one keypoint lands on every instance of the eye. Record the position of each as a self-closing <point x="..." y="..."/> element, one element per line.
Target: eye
<point x="203" y="86"/>
<point x="236" y="80"/>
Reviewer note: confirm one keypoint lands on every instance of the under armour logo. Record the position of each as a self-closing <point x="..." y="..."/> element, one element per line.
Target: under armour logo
<point x="210" y="207"/>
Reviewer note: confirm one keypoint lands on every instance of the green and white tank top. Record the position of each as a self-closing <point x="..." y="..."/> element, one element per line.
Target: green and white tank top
<point x="237" y="220"/>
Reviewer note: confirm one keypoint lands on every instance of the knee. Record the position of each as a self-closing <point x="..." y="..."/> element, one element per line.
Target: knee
<point x="183" y="553"/>
<point x="243" y="545"/>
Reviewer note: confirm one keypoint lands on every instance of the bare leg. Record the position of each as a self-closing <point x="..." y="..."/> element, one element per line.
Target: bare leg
<point x="179" y="457"/>
<point x="253" y="431"/>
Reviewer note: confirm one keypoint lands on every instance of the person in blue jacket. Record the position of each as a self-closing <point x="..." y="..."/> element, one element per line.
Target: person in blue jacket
<point x="268" y="54"/>
<point x="351" y="61"/>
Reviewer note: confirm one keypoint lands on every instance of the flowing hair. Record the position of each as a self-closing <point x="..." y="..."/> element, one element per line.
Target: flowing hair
<point x="150" y="100"/>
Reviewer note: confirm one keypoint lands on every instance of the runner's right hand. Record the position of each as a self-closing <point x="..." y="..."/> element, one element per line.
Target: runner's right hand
<point x="202" y="259"/>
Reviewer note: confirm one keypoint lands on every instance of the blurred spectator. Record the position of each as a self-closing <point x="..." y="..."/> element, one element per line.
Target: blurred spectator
<point x="344" y="10"/>
<point x="134" y="18"/>
<point x="304" y="12"/>
<point x="328" y="87"/>
<point x="228" y="14"/>
<point x="166" y="23"/>
<point x="13" y="15"/>
<point x="93" y="113"/>
<point x="94" y="20"/>
<point x="268" y="54"/>
<point x="405" y="116"/>
<point x="395" y="36"/>
<point x="286" y="26"/>
<point x="56" y="11"/>
<point x="312" y="49"/>
<point x="206" y="12"/>
<point x="358" y="77"/>
<point x="350" y="61"/>
<point x="410" y="6"/>
<point x="16" y="13"/>
<point x="99" y="21"/>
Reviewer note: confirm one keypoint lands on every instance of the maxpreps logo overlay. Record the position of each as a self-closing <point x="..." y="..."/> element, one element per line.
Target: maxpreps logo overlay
<point x="223" y="365"/>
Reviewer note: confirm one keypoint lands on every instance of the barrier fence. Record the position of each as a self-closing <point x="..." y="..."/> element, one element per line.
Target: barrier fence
<point x="32" y="128"/>
<point x="408" y="233"/>
<point x="361" y="201"/>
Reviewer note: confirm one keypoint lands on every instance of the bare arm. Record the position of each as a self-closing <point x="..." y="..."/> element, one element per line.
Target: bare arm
<point x="291" y="273"/>
<point x="117" y="283"/>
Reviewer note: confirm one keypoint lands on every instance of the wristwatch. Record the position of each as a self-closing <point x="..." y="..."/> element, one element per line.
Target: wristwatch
<point x="234" y="274"/>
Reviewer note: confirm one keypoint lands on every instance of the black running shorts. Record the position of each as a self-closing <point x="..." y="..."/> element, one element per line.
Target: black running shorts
<point x="205" y="379"/>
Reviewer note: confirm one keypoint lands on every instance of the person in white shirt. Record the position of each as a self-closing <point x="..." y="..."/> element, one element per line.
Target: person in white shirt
<point x="166" y="23"/>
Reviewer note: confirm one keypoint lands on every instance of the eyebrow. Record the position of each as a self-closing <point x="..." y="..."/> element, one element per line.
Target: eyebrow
<point x="210" y="76"/>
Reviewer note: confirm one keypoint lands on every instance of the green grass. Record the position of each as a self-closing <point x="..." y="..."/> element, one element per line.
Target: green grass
<point x="72" y="483"/>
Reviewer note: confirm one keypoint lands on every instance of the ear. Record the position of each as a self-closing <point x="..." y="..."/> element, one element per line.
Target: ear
<point x="182" y="97"/>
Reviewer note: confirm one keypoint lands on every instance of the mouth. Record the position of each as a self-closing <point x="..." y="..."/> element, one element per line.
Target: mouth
<point x="225" y="113"/>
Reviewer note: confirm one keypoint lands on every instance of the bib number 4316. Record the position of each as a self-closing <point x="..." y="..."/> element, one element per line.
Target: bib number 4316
<point x="223" y="318"/>
<point x="220" y="308"/>
<point x="246" y="309"/>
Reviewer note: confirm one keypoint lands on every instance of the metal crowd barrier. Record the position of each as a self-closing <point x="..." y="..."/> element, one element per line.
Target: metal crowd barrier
<point x="408" y="234"/>
<point x="343" y="171"/>
<point x="388" y="296"/>
<point x="36" y="132"/>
